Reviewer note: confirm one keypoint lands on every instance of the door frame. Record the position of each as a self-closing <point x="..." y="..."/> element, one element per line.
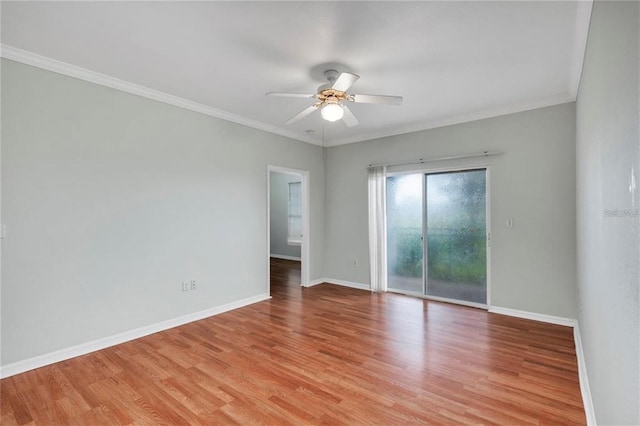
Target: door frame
<point x="452" y="169"/>
<point x="306" y="235"/>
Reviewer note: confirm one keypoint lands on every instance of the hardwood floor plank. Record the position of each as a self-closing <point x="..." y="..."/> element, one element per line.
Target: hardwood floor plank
<point x="19" y="409"/>
<point x="319" y="355"/>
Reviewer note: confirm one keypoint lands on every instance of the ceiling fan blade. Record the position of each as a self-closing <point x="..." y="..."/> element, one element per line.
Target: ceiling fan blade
<point x="344" y="81"/>
<point x="349" y="119"/>
<point x="377" y="99"/>
<point x="301" y="115"/>
<point x="290" y="95"/>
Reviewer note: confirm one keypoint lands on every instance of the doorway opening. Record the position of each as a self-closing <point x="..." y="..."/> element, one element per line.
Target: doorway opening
<point x="287" y="228"/>
<point x="437" y="235"/>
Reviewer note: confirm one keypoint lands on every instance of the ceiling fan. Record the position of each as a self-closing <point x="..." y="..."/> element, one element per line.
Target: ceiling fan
<point x="333" y="96"/>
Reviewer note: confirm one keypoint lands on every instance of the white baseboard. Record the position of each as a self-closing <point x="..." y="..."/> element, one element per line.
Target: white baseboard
<point x="351" y="284"/>
<point x="283" y="257"/>
<point x="585" y="390"/>
<point x="95" y="345"/>
<point x="315" y="282"/>
<point x="569" y="322"/>
<point x="343" y="283"/>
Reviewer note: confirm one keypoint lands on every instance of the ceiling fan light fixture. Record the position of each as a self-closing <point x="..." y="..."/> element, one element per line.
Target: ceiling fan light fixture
<point x="333" y="97"/>
<point x="332" y="112"/>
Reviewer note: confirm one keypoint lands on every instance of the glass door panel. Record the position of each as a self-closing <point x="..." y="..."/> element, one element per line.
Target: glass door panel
<point x="404" y="233"/>
<point x="456" y="212"/>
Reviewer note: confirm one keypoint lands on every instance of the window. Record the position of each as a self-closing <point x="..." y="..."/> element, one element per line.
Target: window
<point x="294" y="236"/>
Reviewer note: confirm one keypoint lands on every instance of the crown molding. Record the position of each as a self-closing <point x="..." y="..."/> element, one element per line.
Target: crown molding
<point x="583" y="15"/>
<point x="39" y="61"/>
<point x="459" y="119"/>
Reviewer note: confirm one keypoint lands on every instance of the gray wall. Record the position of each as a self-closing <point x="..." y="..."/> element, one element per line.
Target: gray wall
<point x="279" y="216"/>
<point x="533" y="263"/>
<point x="608" y="155"/>
<point x="112" y="200"/>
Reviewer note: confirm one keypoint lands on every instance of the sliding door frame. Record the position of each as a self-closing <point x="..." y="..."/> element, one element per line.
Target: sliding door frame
<point x="451" y="169"/>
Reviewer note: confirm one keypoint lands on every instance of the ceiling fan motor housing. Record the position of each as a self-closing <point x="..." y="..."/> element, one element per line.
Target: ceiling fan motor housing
<point x="331" y="75"/>
<point x="330" y="95"/>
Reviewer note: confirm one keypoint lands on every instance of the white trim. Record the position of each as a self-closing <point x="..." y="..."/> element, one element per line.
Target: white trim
<point x="489" y="233"/>
<point x="583" y="379"/>
<point x="33" y="59"/>
<point x="315" y="282"/>
<point x="585" y="390"/>
<point x="305" y="256"/>
<point x="569" y="322"/>
<point x="350" y="284"/>
<point x="460" y="119"/>
<point x="583" y="15"/>
<point x="96" y="345"/>
<point x="284" y="257"/>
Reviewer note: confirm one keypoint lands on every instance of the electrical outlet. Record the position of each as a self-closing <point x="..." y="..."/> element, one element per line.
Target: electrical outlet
<point x="355" y="263"/>
<point x="509" y="223"/>
<point x="186" y="286"/>
<point x="193" y="284"/>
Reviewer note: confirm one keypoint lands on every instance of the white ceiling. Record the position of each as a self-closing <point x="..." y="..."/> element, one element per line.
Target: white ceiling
<point x="451" y="61"/>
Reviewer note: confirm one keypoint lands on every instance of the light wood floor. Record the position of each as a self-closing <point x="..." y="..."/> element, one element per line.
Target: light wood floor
<point x="319" y="355"/>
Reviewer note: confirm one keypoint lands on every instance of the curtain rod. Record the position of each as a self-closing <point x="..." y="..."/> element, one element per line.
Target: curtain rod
<point x="431" y="160"/>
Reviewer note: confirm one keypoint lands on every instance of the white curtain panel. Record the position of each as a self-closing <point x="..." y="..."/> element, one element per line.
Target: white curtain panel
<point x="378" y="228"/>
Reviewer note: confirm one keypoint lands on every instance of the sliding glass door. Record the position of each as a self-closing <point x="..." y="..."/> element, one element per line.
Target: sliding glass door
<point x="436" y="235"/>
<point x="404" y="233"/>
<point x="456" y="214"/>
